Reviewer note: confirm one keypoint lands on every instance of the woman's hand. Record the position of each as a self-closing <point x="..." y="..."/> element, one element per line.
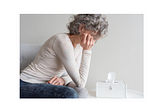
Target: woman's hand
<point x="87" y="41"/>
<point x="56" y="81"/>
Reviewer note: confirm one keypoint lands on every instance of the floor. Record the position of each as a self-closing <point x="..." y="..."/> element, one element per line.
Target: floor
<point x="130" y="94"/>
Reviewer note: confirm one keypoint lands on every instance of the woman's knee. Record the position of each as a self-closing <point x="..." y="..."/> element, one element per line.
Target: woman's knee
<point x="83" y="93"/>
<point x="71" y="93"/>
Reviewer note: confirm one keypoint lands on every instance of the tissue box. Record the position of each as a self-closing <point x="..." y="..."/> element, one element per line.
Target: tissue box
<point x="118" y="89"/>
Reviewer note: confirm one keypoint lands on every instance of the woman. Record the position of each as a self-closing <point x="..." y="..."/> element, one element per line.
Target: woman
<point x="69" y="52"/>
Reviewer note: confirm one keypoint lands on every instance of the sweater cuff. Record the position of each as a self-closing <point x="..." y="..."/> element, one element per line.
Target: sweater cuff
<point x="87" y="52"/>
<point x="67" y="79"/>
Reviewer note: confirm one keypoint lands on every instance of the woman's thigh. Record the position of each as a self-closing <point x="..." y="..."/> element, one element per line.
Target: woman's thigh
<point x="36" y="90"/>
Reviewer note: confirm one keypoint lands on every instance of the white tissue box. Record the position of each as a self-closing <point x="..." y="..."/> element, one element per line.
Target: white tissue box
<point x="118" y="89"/>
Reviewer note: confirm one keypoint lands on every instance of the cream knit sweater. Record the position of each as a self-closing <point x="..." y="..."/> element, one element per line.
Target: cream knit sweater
<point x="56" y="56"/>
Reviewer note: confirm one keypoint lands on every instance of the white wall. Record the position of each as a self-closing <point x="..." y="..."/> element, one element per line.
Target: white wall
<point x="121" y="51"/>
<point x="36" y="29"/>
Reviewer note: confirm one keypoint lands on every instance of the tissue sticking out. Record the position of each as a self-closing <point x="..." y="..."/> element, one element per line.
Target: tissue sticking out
<point x="111" y="77"/>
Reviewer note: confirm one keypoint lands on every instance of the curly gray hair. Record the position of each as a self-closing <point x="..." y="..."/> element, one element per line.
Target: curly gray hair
<point x="94" y="22"/>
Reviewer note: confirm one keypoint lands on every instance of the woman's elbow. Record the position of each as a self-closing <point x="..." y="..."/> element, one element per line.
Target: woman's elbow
<point x="81" y="85"/>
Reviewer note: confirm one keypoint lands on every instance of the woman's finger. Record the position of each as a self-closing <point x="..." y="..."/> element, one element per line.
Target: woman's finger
<point x="54" y="82"/>
<point x="57" y="83"/>
<point x="51" y="80"/>
<point x="91" y="41"/>
<point x="84" y="38"/>
<point x="88" y="40"/>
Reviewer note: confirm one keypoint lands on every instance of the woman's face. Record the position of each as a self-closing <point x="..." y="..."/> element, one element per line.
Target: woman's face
<point x="89" y="32"/>
<point x="94" y="34"/>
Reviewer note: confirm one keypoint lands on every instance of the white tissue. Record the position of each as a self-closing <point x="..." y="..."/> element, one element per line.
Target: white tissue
<point x="111" y="77"/>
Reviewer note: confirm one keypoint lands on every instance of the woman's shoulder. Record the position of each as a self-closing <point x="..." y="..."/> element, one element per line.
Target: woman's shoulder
<point x="60" y="36"/>
<point x="61" y="39"/>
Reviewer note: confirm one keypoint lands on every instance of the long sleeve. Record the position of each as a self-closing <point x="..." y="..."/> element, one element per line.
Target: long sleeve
<point x="66" y="78"/>
<point x="65" y="52"/>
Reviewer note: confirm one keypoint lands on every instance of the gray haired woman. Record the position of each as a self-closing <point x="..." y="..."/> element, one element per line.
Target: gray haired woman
<point x="64" y="52"/>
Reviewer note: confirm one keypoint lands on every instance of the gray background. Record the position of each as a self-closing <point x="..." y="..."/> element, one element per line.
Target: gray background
<point x="120" y="52"/>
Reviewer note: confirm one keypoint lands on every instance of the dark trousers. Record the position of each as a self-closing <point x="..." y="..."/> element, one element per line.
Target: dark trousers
<point x="42" y="90"/>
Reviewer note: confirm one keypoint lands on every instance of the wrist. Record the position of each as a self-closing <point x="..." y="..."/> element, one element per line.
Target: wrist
<point x="86" y="49"/>
<point x="63" y="81"/>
